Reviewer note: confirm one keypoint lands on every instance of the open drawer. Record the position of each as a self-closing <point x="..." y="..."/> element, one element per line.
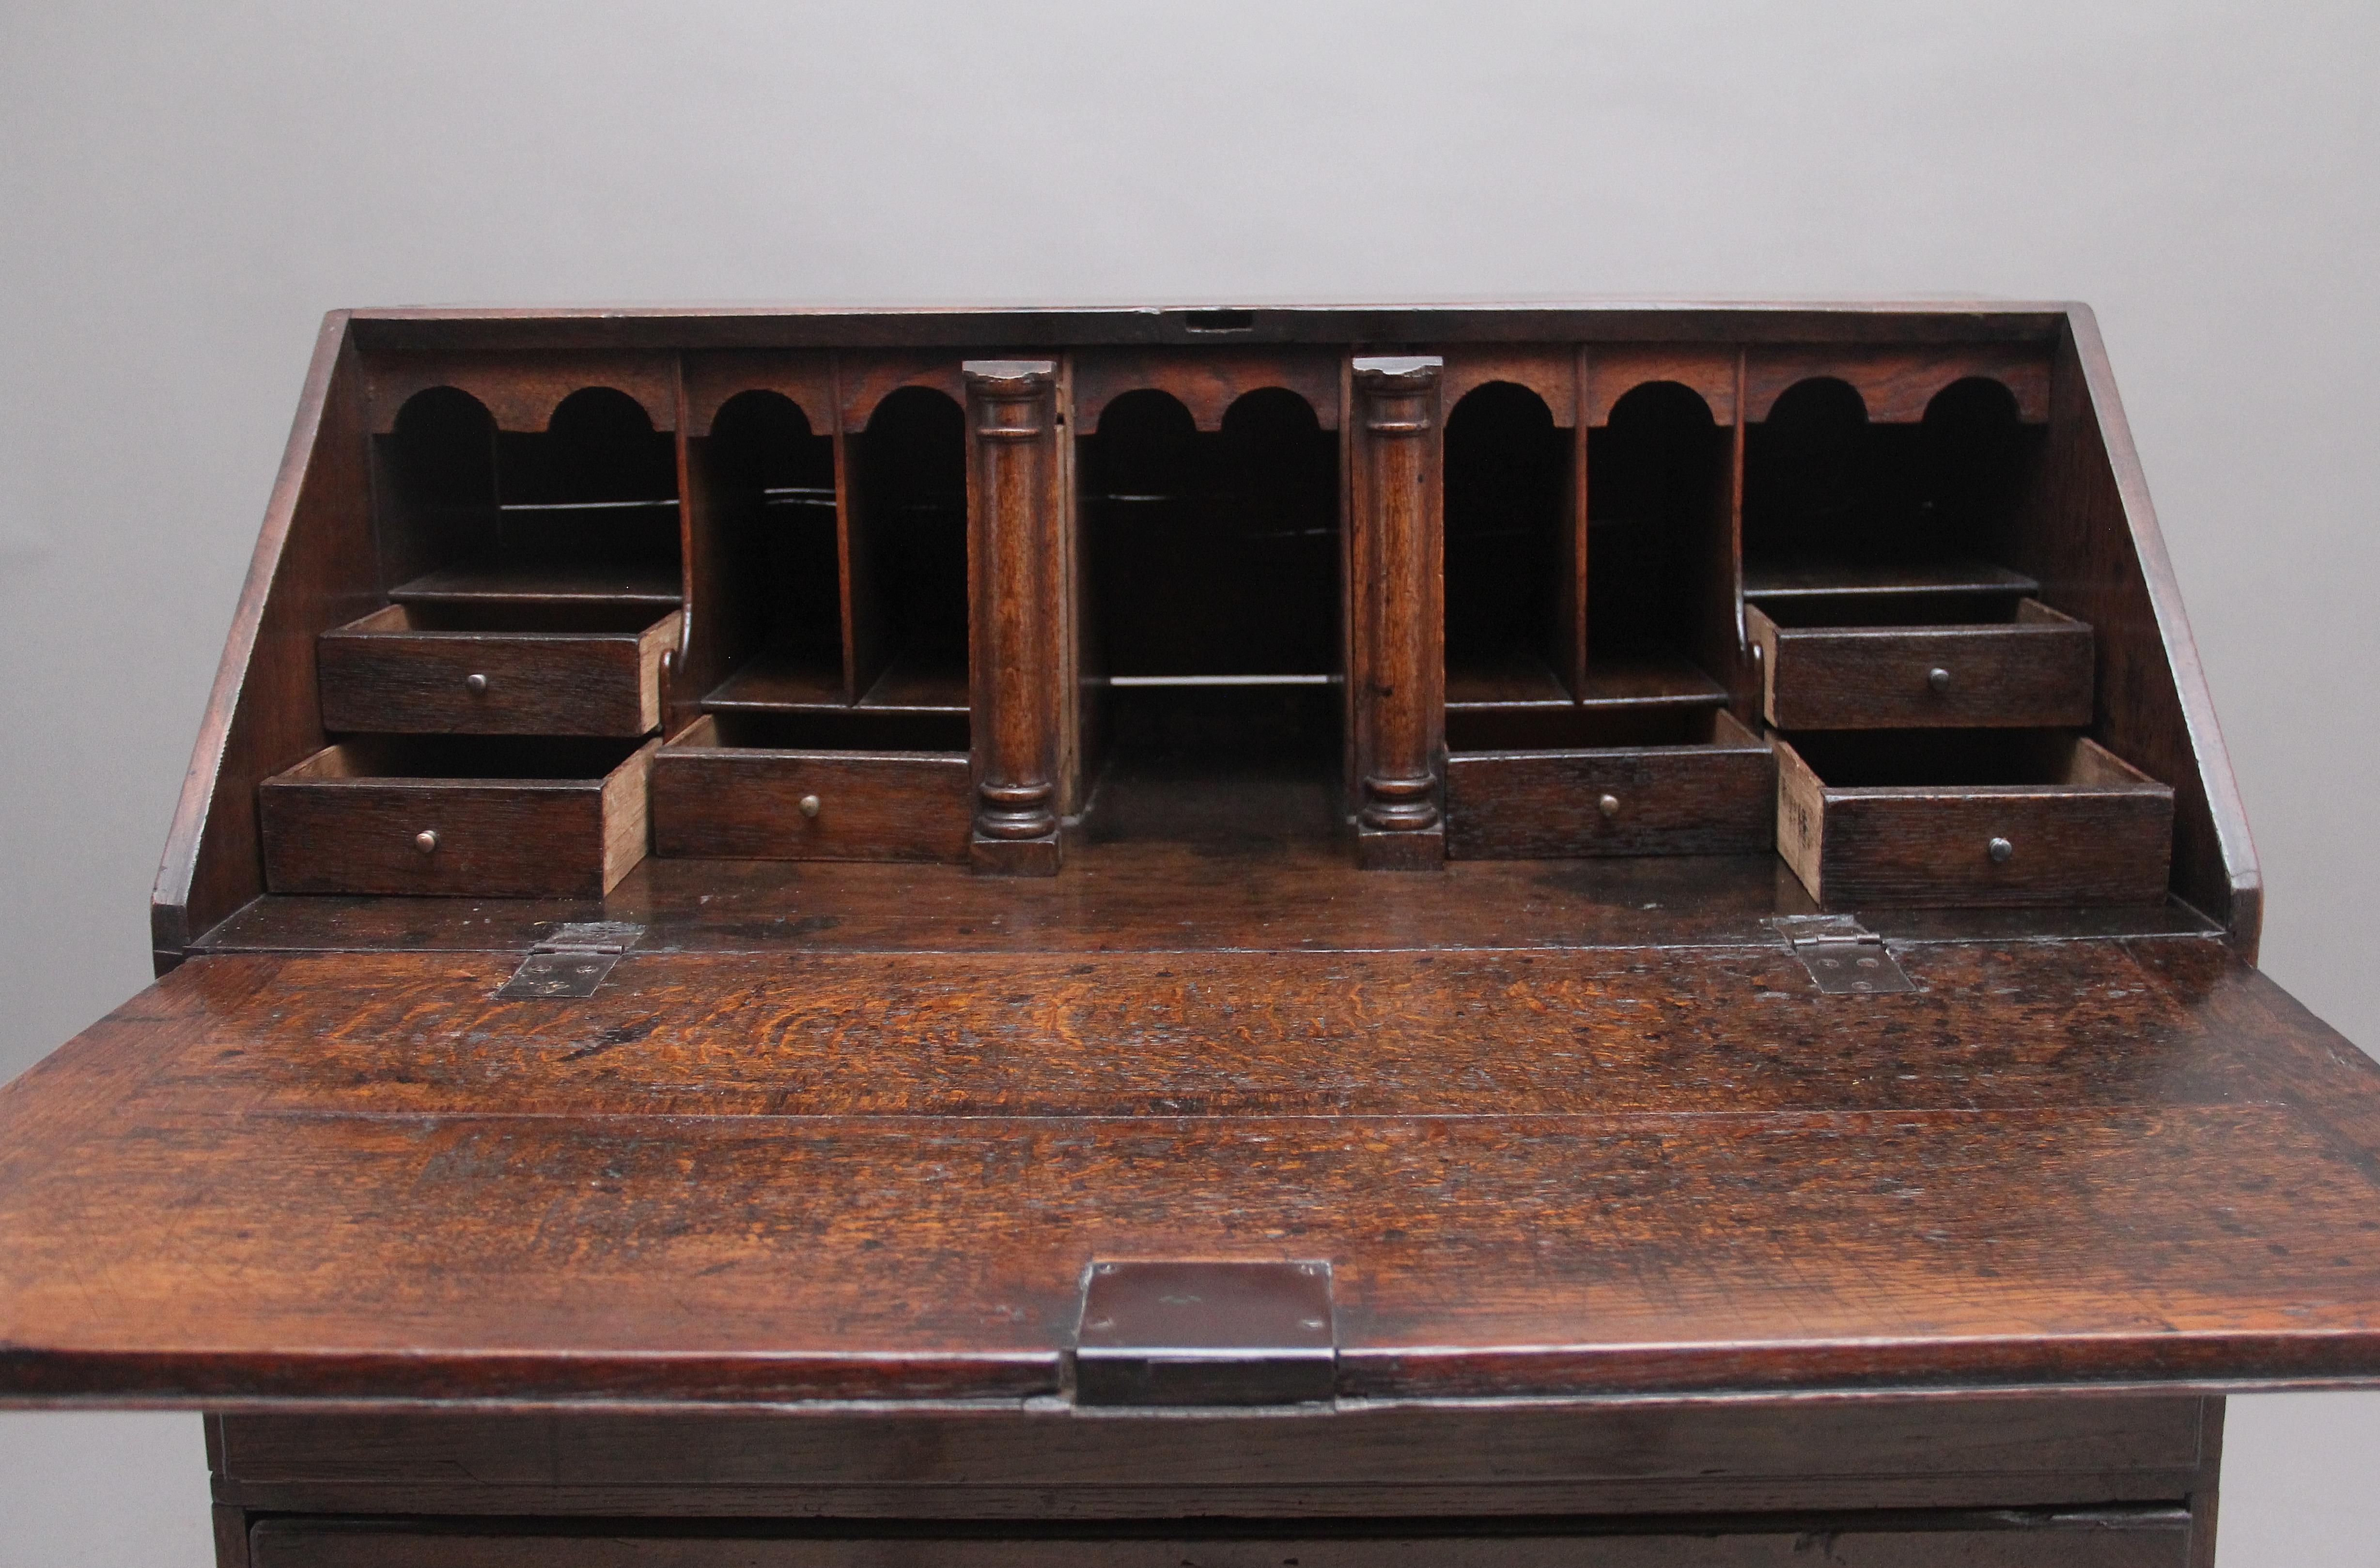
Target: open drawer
<point x="1673" y="782"/>
<point x="498" y="669"/>
<point x="497" y="818"/>
<point x="735" y="786"/>
<point x="2014" y="663"/>
<point x="1970" y="816"/>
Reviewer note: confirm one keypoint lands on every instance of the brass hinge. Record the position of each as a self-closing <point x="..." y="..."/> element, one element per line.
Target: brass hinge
<point x="571" y="962"/>
<point x="1844" y="957"/>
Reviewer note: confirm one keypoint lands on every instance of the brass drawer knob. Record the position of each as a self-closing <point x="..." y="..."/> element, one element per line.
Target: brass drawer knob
<point x="2001" y="851"/>
<point x="810" y="804"/>
<point x="426" y="842"/>
<point x="1609" y="806"/>
<point x="1939" y="678"/>
<point x="477" y="684"/>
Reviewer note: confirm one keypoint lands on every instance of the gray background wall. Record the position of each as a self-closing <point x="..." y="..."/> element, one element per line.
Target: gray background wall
<point x="185" y="189"/>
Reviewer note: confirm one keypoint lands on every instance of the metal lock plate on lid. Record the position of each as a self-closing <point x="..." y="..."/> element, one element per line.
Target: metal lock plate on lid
<point x="1206" y="1333"/>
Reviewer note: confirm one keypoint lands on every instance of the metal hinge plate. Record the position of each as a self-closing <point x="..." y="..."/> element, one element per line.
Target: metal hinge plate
<point x="571" y="962"/>
<point x="1844" y="957"/>
<point x="1182" y="1334"/>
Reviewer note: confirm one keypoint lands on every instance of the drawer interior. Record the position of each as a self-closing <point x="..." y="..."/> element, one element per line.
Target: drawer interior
<point x="505" y="617"/>
<point x="479" y="759"/>
<point x="1964" y="760"/>
<point x="865" y="729"/>
<point x="1578" y="728"/>
<point x="1888" y="608"/>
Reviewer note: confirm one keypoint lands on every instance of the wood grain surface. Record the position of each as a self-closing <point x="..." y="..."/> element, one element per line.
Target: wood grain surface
<point x="728" y="801"/>
<point x="1714" y="798"/>
<point x="2034" y="671"/>
<point x="386" y="675"/>
<point x="1682" y="1174"/>
<point x="2112" y="1539"/>
<point x="2085" y="827"/>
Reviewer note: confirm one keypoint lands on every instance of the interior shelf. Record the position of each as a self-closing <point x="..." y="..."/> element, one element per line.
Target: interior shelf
<point x="781" y="680"/>
<point x="1764" y="580"/>
<point x="589" y="585"/>
<point x="920" y="681"/>
<point x="1521" y="681"/>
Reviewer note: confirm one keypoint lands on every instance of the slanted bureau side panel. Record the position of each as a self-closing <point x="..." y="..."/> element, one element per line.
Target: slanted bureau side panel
<point x="2089" y="533"/>
<point x="313" y="569"/>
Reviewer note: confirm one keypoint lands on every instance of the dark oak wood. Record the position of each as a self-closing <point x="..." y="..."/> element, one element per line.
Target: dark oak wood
<point x="405" y="819"/>
<point x="1898" y="384"/>
<point x="1395" y="681"/>
<point x="1408" y="1461"/>
<point x="2110" y="1538"/>
<point x="1206" y="383"/>
<point x="2073" y="824"/>
<point x="561" y="588"/>
<point x="1015" y="577"/>
<point x="758" y="1231"/>
<point x="1641" y="1248"/>
<point x="312" y="569"/>
<point x="2088" y="531"/>
<point x="712" y="799"/>
<point x="2032" y="672"/>
<point x="1714" y="795"/>
<point x="401" y="671"/>
<point x="1150" y="894"/>
<point x="523" y="393"/>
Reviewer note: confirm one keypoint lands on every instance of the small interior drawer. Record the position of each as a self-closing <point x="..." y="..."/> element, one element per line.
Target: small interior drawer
<point x="436" y="669"/>
<point x="1970" y="816"/>
<point x="1696" y="784"/>
<point x="2026" y="665"/>
<point x="728" y="788"/>
<point x="497" y="818"/>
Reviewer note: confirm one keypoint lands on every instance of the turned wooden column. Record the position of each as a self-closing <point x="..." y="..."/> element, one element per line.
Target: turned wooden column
<point x="1398" y="683"/>
<point x="1016" y="579"/>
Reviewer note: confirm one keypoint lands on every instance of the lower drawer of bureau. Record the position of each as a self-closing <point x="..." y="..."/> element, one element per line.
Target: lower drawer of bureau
<point x="493" y="816"/>
<point x="2126" y="1537"/>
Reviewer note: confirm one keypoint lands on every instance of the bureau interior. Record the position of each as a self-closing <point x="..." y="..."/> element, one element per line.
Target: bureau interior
<point x="584" y="510"/>
<point x="1210" y="608"/>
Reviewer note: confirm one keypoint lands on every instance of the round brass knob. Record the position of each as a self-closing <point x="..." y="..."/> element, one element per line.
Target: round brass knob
<point x="1939" y="678"/>
<point x="810" y="804"/>
<point x="477" y="684"/>
<point x="2001" y="851"/>
<point x="1609" y="806"/>
<point x="426" y="842"/>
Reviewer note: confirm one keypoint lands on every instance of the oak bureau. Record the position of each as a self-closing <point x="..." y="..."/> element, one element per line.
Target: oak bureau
<point x="1604" y="935"/>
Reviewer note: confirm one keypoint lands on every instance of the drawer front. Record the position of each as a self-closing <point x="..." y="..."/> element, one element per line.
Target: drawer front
<point x="2115" y="1538"/>
<point x="494" y="838"/>
<point x="727" y="803"/>
<point x="2063" y="846"/>
<point x="490" y="683"/>
<point x="1657" y="800"/>
<point x="2034" y="674"/>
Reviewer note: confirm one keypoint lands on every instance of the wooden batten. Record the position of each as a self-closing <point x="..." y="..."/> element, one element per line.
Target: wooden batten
<point x="1896" y="383"/>
<point x="521" y="393"/>
<point x="1205" y="380"/>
